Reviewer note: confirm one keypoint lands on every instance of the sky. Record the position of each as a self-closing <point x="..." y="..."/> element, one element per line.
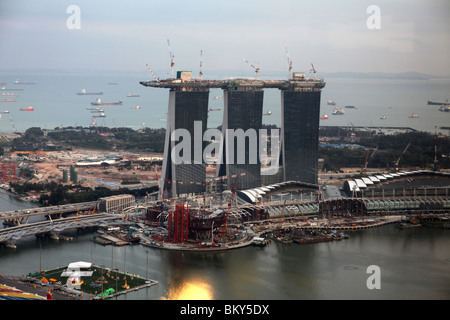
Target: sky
<point x="124" y="36"/>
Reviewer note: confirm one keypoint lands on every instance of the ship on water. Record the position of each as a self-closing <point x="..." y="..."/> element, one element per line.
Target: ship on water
<point x="324" y="117"/>
<point x="438" y="103"/>
<point x="8" y="100"/>
<point x="331" y="103"/>
<point x="85" y="93"/>
<point x="268" y="113"/>
<point x="413" y="116"/>
<point x="17" y="81"/>
<point x="132" y="95"/>
<point x="336" y="111"/>
<point x="137" y="107"/>
<point x="99" y="102"/>
<point x="27" y="109"/>
<point x="214" y="109"/>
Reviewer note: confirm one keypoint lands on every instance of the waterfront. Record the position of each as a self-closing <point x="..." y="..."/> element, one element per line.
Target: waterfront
<point x="414" y="264"/>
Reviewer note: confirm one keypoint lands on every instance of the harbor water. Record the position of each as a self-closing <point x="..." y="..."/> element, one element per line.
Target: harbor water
<point x="413" y="264"/>
<point x="57" y="105"/>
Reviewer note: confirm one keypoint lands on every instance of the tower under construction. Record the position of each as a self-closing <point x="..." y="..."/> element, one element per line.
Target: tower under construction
<point x="243" y="108"/>
<point x="243" y="101"/>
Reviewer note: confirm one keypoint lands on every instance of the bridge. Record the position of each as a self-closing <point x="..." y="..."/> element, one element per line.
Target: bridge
<point x="10" y="235"/>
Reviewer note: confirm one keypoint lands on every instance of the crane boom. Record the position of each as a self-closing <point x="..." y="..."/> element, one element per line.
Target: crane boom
<point x="148" y="67"/>
<point x="256" y="68"/>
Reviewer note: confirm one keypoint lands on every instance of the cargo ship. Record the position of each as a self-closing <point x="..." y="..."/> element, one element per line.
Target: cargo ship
<point x="27" y="109"/>
<point x="324" y="117"/>
<point x="268" y="113"/>
<point x="85" y="93"/>
<point x="214" y="109"/>
<point x="413" y="116"/>
<point x="137" y="107"/>
<point x="331" y="103"/>
<point x="100" y="103"/>
<point x="8" y="100"/>
<point x="132" y="95"/>
<point x="438" y="103"/>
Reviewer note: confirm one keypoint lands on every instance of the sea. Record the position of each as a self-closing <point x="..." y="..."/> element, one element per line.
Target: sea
<point x="57" y="105"/>
<point x="411" y="264"/>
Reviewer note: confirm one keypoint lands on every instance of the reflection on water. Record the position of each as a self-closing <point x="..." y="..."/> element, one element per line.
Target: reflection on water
<point x="191" y="289"/>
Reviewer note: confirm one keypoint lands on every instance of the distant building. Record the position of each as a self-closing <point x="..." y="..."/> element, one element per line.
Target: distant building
<point x="115" y="203"/>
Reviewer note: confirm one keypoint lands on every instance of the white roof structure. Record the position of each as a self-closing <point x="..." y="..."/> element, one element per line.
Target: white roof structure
<point x="374" y="179"/>
<point x="367" y="181"/>
<point x="360" y="183"/>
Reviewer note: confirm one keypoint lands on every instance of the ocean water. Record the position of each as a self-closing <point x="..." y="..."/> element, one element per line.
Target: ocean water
<point x="56" y="103"/>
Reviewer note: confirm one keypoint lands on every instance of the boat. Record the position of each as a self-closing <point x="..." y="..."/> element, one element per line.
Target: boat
<point x="27" y="109"/>
<point x="101" y="115"/>
<point x="438" y="103"/>
<point x="8" y="100"/>
<point x="268" y="113"/>
<point x="97" y="110"/>
<point x="112" y="83"/>
<point x="99" y="102"/>
<point x="336" y="111"/>
<point x="20" y="82"/>
<point x="8" y="94"/>
<point x="383" y="118"/>
<point x="85" y="93"/>
<point x="218" y="97"/>
<point x="137" y="107"/>
<point x="132" y="95"/>
<point x="351" y="107"/>
<point x="331" y="103"/>
<point x="214" y="109"/>
<point x="324" y="117"/>
<point x="6" y="111"/>
<point x="444" y="108"/>
<point x="413" y="116"/>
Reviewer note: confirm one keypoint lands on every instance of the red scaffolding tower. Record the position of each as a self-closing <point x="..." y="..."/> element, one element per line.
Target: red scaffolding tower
<point x="178" y="224"/>
<point x="8" y="173"/>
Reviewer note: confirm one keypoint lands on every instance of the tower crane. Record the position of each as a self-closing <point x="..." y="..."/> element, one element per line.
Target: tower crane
<point x="201" y="72"/>
<point x="314" y="71"/>
<point x="172" y="62"/>
<point x="289" y="61"/>
<point x="256" y="68"/>
<point x="148" y="67"/>
<point x="364" y="165"/>
<point x="398" y="160"/>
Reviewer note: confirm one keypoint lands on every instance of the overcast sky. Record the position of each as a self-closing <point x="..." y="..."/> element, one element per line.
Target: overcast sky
<point x="125" y="35"/>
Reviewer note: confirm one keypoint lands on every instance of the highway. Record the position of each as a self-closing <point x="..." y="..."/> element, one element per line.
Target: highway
<point x="12" y="234"/>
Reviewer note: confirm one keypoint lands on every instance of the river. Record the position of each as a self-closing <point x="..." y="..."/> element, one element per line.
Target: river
<point x="413" y="264"/>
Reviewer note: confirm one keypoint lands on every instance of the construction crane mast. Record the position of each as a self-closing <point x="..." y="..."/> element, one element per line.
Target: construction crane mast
<point x="314" y="71"/>
<point x="289" y="61"/>
<point x="201" y="58"/>
<point x="172" y="62"/>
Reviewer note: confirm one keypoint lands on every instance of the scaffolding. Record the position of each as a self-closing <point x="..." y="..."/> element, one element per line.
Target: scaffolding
<point x="8" y="173"/>
<point x="178" y="224"/>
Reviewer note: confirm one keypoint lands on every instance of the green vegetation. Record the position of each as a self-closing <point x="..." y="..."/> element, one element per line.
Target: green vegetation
<point x="389" y="148"/>
<point x="57" y="194"/>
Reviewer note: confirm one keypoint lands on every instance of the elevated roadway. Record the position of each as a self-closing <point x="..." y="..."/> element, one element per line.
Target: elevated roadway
<point x="10" y="235"/>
